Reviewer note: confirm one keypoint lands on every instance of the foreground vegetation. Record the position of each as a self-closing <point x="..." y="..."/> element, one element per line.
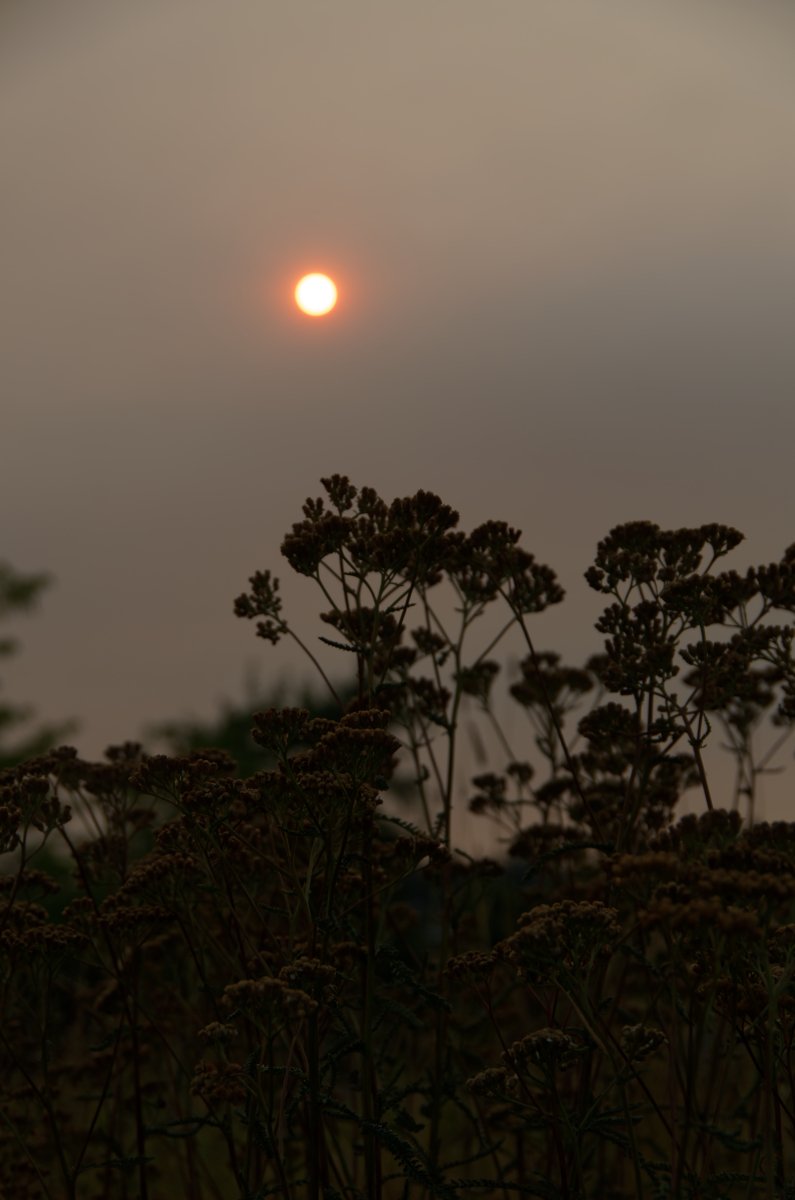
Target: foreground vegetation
<point x="291" y="983"/>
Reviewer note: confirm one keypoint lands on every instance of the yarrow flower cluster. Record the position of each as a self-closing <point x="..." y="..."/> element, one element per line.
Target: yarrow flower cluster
<point x="273" y="972"/>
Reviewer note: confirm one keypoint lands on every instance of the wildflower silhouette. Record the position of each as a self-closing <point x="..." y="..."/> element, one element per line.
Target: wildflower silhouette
<point x="303" y="989"/>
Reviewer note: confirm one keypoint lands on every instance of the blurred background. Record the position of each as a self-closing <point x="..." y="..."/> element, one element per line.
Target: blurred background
<point x="564" y="239"/>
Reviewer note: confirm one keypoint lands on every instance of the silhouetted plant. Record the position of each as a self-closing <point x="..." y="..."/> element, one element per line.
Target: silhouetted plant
<point x="230" y="729"/>
<point x="296" y="992"/>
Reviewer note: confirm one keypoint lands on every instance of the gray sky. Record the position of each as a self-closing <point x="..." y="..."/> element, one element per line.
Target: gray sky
<point x="564" y="236"/>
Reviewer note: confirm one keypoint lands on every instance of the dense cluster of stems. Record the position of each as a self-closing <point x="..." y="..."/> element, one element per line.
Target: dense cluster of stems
<point x="292" y="983"/>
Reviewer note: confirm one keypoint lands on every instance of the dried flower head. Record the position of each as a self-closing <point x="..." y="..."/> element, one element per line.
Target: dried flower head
<point x="550" y="1049"/>
<point x="640" y="1041"/>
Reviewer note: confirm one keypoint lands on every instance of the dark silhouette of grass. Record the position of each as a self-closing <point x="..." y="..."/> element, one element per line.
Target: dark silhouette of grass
<point x="295" y="991"/>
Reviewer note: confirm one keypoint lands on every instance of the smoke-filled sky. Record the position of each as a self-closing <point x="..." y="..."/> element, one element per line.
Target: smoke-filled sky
<point x="564" y="237"/>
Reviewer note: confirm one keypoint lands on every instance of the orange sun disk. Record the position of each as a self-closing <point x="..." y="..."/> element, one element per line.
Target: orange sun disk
<point x="315" y="294"/>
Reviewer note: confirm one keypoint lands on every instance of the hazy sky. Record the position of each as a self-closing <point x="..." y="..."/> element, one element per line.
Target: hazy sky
<point x="564" y="236"/>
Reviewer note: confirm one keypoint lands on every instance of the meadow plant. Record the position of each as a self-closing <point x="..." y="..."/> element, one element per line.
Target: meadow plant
<point x="293" y="984"/>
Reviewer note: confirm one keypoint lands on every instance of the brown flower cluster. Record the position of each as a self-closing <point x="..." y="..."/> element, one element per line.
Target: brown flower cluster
<point x="118" y="917"/>
<point x="664" y="588"/>
<point x="550" y="1049"/>
<point x="567" y="934"/>
<point x="40" y="939"/>
<point x="473" y="965"/>
<point x="701" y="912"/>
<point x="495" y="1083"/>
<point x="218" y="1032"/>
<point x="153" y="872"/>
<point x="640" y="1041"/>
<point x="267" y="996"/>
<point x="693" y="834"/>
<point x="219" y="1083"/>
<point x="409" y="537"/>
<point x="311" y="976"/>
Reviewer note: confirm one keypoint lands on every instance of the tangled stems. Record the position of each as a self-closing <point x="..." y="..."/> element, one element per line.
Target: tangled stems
<point x="559" y="732"/>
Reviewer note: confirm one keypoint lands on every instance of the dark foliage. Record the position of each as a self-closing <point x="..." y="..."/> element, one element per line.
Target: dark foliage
<point x="271" y="982"/>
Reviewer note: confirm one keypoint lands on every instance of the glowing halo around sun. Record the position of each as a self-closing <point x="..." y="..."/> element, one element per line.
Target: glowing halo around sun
<point x="316" y="295"/>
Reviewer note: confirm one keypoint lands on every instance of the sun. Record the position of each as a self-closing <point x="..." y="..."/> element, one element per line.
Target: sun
<point x="315" y="295"/>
